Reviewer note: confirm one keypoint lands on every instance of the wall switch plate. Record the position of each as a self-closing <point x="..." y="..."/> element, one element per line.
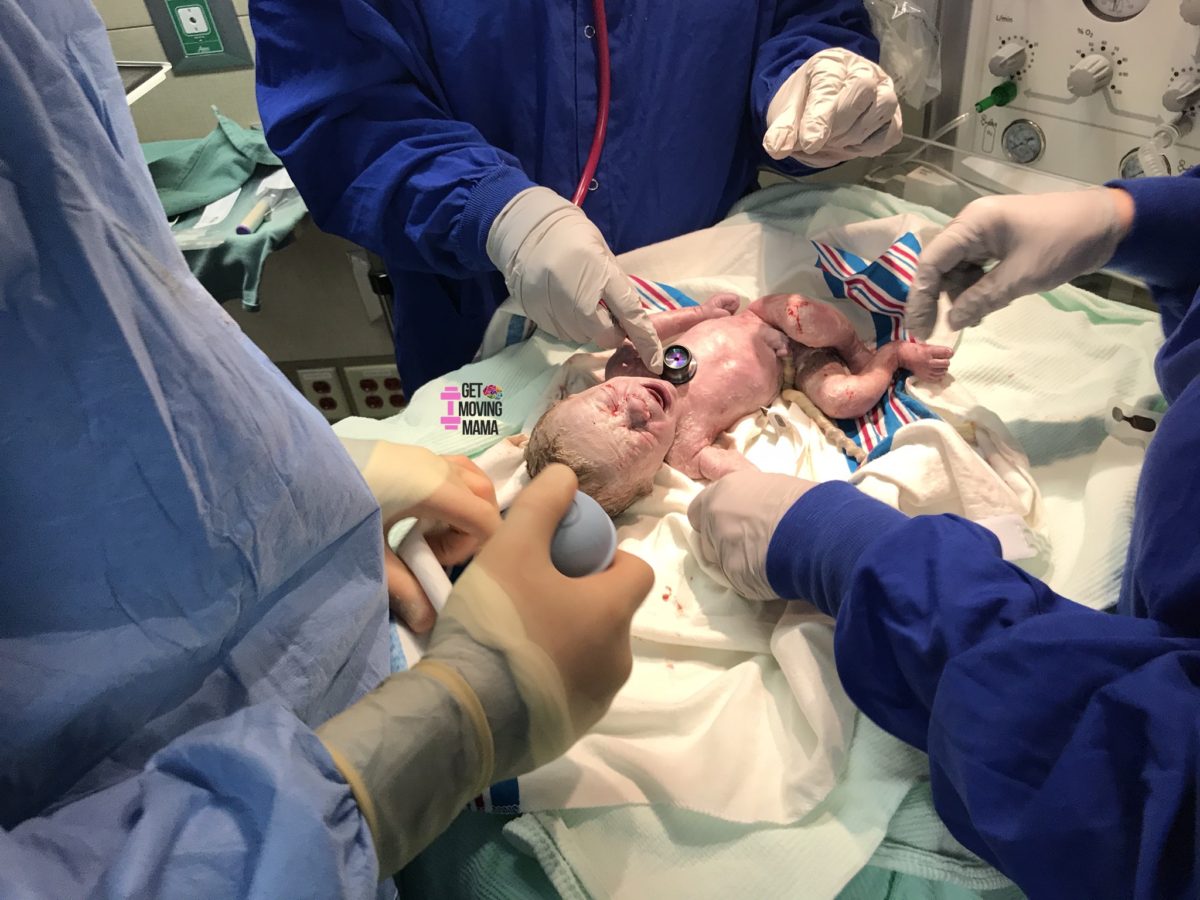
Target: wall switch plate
<point x="200" y="35"/>
<point x="375" y="390"/>
<point x="323" y="389"/>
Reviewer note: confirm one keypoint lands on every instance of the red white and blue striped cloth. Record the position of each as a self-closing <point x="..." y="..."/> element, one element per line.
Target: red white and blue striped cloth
<point x="881" y="288"/>
<point x="657" y="297"/>
<point x="502" y="797"/>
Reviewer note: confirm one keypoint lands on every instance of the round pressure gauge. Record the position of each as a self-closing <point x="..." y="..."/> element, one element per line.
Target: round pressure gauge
<point x="1023" y="142"/>
<point x="1131" y="166"/>
<point x="1115" y="10"/>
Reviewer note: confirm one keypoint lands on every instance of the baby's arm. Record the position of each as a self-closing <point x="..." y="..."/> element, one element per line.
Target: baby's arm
<point x="671" y="322"/>
<point x="668" y="324"/>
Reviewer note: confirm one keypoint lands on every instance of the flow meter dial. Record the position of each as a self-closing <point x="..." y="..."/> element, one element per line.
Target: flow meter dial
<point x="1131" y="166"/>
<point x="1023" y="142"/>
<point x="1115" y="10"/>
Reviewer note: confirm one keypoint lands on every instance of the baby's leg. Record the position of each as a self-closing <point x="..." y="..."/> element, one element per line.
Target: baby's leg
<point x="840" y="393"/>
<point x="813" y="324"/>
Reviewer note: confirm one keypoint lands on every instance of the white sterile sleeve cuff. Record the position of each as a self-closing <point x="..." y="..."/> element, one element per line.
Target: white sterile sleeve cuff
<point x="518" y="220"/>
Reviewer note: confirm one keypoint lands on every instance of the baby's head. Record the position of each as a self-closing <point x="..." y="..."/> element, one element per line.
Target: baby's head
<point x="614" y="436"/>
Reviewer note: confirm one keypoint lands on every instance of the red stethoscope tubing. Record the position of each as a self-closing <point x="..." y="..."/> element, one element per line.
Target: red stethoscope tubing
<point x="602" y="77"/>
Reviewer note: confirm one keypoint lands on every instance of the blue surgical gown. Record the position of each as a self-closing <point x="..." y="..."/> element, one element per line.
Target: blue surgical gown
<point x="1064" y="743"/>
<point x="191" y="571"/>
<point x="408" y="124"/>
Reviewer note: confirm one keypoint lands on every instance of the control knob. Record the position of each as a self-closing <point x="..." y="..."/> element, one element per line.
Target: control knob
<point x="1008" y="60"/>
<point x="1089" y="75"/>
<point x="1182" y="92"/>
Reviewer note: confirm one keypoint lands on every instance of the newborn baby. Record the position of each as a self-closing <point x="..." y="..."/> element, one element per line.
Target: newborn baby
<point x="616" y="434"/>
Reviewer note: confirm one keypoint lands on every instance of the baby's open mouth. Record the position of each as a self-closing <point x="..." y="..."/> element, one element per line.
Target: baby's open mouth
<point x="661" y="394"/>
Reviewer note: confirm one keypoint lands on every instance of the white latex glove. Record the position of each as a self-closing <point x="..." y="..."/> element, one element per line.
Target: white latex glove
<point x="735" y="519"/>
<point x="1040" y="240"/>
<point x="453" y="499"/>
<point x="835" y="107"/>
<point x="523" y="661"/>
<point x="557" y="265"/>
<point x="411" y="481"/>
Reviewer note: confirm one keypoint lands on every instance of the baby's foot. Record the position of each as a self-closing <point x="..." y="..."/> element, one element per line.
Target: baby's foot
<point x="718" y="306"/>
<point x="929" y="362"/>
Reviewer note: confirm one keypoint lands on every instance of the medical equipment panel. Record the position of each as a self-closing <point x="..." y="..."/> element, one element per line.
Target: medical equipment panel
<point x="1106" y="88"/>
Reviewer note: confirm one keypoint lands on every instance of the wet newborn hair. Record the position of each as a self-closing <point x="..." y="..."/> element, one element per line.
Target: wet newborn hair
<point x="548" y="445"/>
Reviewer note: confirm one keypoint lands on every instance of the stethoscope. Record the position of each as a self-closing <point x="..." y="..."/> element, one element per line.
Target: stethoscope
<point x="679" y="366"/>
<point x="604" y="85"/>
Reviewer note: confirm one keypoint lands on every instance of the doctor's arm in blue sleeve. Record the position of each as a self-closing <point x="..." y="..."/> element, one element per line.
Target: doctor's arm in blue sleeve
<point x="1159" y="249"/>
<point x="1064" y="743"/>
<point x="247" y="806"/>
<point x="259" y="805"/>
<point x="353" y="109"/>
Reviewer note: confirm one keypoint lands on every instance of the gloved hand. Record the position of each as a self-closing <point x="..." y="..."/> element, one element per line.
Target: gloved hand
<point x="835" y="107"/>
<point x="735" y="518"/>
<point x="1041" y="241"/>
<point x="522" y="661"/>
<point x="452" y="497"/>
<point x="557" y="265"/>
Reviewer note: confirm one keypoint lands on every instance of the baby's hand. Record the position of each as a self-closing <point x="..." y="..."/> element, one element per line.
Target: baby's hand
<point x="718" y="306"/>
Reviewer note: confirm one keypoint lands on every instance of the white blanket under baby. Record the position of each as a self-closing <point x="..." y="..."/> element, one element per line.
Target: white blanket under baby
<point x="731" y="709"/>
<point x="734" y="708"/>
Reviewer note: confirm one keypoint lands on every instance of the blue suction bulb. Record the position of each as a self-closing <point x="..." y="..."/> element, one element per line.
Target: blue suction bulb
<point x="586" y="539"/>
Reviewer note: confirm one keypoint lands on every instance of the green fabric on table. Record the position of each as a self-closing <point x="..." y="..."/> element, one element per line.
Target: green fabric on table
<point x="473" y="859"/>
<point x="873" y="883"/>
<point x="190" y="175"/>
<point x="232" y="269"/>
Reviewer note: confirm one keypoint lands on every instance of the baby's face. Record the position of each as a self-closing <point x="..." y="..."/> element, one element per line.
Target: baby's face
<point x="626" y="425"/>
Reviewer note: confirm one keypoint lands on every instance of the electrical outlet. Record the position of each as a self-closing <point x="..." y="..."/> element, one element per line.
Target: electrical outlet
<point x="375" y="390"/>
<point x="323" y="389"/>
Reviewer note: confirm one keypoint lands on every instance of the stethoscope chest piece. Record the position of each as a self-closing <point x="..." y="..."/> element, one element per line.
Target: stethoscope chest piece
<point x="679" y="366"/>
